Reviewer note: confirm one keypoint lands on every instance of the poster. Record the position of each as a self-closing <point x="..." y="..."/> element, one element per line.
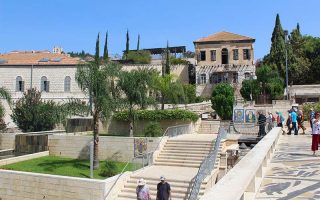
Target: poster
<point x="250" y="116"/>
<point x="238" y="115"/>
<point x="140" y="146"/>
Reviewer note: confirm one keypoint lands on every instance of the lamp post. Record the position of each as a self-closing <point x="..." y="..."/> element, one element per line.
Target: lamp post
<point x="285" y="43"/>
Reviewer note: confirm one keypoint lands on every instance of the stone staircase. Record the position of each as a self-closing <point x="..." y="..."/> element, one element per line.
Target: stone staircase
<point x="209" y="127"/>
<point x="179" y="161"/>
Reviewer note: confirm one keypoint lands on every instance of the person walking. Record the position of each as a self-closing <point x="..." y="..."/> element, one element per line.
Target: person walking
<point x="311" y="117"/>
<point x="289" y="122"/>
<point x="270" y="121"/>
<point x="315" y="133"/>
<point x="300" y="120"/>
<point x="142" y="190"/>
<point x="293" y="115"/>
<point x="163" y="189"/>
<point x="262" y="124"/>
<point x="280" y="121"/>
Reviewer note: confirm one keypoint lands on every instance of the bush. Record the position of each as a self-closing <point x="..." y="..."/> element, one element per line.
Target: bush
<point x="190" y="93"/>
<point x="222" y="100"/>
<point x="109" y="169"/>
<point x="153" y="129"/>
<point x="139" y="57"/>
<point x="177" y="61"/>
<point x="32" y="114"/>
<point x="157" y="115"/>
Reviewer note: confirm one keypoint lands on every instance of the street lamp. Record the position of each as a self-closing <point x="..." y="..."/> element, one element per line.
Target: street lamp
<point x="285" y="43"/>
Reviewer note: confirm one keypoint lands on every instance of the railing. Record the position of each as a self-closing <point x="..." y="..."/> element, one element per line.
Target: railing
<point x="145" y="159"/>
<point x="245" y="128"/>
<point x="206" y="166"/>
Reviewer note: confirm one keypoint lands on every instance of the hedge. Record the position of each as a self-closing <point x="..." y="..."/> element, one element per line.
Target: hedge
<point x="157" y="115"/>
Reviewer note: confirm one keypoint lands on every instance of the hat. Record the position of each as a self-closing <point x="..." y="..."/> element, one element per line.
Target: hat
<point x="162" y="178"/>
<point x="141" y="182"/>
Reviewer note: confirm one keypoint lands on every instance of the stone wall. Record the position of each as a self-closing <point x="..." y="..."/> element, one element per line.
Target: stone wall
<point x="32" y="186"/>
<point x="7" y="140"/>
<point x="78" y="146"/>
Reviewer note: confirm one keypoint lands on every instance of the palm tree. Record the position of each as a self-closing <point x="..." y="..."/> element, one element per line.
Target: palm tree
<point x="96" y="81"/>
<point x="4" y="94"/>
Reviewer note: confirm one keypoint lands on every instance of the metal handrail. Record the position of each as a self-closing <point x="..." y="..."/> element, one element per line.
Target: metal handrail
<point x="206" y="166"/>
<point x="145" y="154"/>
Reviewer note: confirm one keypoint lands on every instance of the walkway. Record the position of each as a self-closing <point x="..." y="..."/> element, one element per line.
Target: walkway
<point x="293" y="172"/>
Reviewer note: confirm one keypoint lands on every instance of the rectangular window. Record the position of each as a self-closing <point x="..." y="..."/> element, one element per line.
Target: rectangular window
<point x="235" y="54"/>
<point x="246" y="54"/>
<point x="203" y="79"/>
<point x="21" y="86"/>
<point x="213" y="55"/>
<point x="202" y="55"/>
<point x="46" y="86"/>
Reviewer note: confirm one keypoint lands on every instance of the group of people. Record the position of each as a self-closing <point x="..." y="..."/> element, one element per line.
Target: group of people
<point x="163" y="190"/>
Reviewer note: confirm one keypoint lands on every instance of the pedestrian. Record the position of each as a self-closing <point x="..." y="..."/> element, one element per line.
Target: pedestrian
<point x="262" y="124"/>
<point x="315" y="133"/>
<point x="300" y="120"/>
<point x="294" y="122"/>
<point x="311" y="117"/>
<point x="289" y="122"/>
<point x="142" y="190"/>
<point x="280" y="121"/>
<point x="163" y="189"/>
<point x="270" y="121"/>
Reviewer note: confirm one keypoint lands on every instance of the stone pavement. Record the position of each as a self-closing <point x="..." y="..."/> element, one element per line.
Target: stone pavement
<point x="293" y="172"/>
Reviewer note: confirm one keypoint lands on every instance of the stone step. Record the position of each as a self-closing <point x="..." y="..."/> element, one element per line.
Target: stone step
<point x="201" y="152"/>
<point x="192" y="165"/>
<point x="187" y="142"/>
<point x="189" y="145"/>
<point x="178" y="160"/>
<point x="133" y="195"/>
<point x="183" y="154"/>
<point x="186" y="157"/>
<point x="191" y="149"/>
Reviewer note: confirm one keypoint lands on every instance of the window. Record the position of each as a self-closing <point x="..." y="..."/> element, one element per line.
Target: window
<point x="202" y="55"/>
<point x="235" y="78"/>
<point x="214" y="78"/>
<point x="235" y="54"/>
<point x="246" y="54"/>
<point x="247" y="75"/>
<point x="44" y="84"/>
<point x="203" y="79"/>
<point x="67" y="84"/>
<point x="19" y="84"/>
<point x="213" y="55"/>
<point x="225" y="56"/>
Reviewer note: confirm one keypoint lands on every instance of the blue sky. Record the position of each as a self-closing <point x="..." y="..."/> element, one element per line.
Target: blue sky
<point x="74" y="24"/>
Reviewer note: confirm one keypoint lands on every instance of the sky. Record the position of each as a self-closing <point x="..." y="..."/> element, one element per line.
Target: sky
<point x="74" y="24"/>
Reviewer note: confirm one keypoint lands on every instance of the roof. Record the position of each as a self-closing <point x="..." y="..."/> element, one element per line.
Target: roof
<point x="154" y="51"/>
<point x="224" y="37"/>
<point x="37" y="58"/>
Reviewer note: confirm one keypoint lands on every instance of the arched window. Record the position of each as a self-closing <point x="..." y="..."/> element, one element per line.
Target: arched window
<point x="19" y="84"/>
<point x="67" y="84"/>
<point x="224" y="56"/>
<point x="44" y="84"/>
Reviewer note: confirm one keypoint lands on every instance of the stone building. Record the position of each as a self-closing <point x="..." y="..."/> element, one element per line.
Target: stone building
<point x="305" y="93"/>
<point x="51" y="73"/>
<point x="223" y="57"/>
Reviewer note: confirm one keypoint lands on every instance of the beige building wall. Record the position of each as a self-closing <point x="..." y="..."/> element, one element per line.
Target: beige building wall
<point x="218" y="47"/>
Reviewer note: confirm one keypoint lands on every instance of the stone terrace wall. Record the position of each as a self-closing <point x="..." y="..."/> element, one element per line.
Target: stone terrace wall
<point x="7" y="140"/>
<point x="31" y="186"/>
<point x="78" y="146"/>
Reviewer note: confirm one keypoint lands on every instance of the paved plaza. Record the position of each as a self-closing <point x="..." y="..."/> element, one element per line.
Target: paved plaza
<point x="293" y="172"/>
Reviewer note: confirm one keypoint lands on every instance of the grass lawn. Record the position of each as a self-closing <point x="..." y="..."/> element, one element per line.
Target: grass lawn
<point x="62" y="166"/>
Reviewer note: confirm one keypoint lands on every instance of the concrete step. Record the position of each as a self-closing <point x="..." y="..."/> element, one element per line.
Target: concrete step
<point x="191" y="149"/>
<point x="178" y="160"/>
<point x="189" y="145"/>
<point x="188" y="142"/>
<point x="184" y="154"/>
<point x="186" y="157"/>
<point x="130" y="195"/>
<point x="177" y="151"/>
<point x="192" y="165"/>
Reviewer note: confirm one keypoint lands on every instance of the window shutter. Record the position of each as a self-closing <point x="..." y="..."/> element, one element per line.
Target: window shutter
<point x="22" y="86"/>
<point x="48" y="84"/>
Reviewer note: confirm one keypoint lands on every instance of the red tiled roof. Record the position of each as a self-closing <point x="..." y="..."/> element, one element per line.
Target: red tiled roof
<point x="35" y="57"/>
<point x="224" y="36"/>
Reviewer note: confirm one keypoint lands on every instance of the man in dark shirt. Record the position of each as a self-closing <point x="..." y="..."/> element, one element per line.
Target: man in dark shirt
<point x="262" y="124"/>
<point x="163" y="190"/>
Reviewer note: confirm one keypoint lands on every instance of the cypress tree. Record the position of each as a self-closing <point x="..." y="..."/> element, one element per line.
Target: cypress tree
<point x="127" y="44"/>
<point x="138" y="44"/>
<point x="277" y="54"/>
<point x="105" y="52"/>
<point x="167" y="69"/>
<point x="97" y="55"/>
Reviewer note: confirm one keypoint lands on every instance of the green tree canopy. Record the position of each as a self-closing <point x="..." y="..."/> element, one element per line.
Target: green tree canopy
<point x="222" y="100"/>
<point x="139" y="57"/>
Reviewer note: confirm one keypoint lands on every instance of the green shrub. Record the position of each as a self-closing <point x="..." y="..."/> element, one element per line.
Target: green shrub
<point x="190" y="93"/>
<point x="177" y="61"/>
<point x="108" y="169"/>
<point x="139" y="57"/>
<point x="157" y="115"/>
<point x="153" y="129"/>
<point x="222" y="100"/>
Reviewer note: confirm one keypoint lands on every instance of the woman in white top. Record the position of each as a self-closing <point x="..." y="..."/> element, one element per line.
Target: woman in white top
<point x="315" y="133"/>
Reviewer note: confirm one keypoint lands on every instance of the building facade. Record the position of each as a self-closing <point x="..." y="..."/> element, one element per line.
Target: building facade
<point x="223" y="58"/>
<point x="51" y="73"/>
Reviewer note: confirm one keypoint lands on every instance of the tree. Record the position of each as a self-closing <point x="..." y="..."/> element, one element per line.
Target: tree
<point x="139" y="57"/>
<point x="127" y="44"/>
<point x="276" y="57"/>
<point x="167" y="68"/>
<point x="31" y="114"/>
<point x="138" y="43"/>
<point x="190" y="93"/>
<point x="97" y="54"/>
<point x="96" y="81"/>
<point x="135" y="85"/>
<point x="4" y="94"/>
<point x="250" y="87"/>
<point x="105" y="52"/>
<point x="222" y="100"/>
